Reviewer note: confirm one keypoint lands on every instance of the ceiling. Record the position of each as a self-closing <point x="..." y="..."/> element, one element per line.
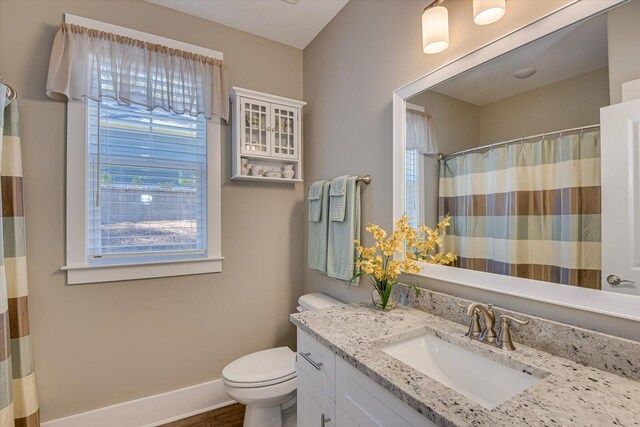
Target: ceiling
<point x="574" y="50"/>
<point x="285" y="21"/>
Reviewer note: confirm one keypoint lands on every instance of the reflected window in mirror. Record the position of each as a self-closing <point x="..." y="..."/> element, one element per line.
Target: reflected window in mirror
<point x="421" y="141"/>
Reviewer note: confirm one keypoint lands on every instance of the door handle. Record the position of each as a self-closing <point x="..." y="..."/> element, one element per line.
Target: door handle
<point x="307" y="357"/>
<point x="614" y="280"/>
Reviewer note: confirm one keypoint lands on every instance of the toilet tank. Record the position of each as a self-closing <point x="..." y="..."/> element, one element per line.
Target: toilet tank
<point x="316" y="301"/>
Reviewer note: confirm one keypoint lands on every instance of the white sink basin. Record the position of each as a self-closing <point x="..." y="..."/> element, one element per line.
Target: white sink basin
<point x="476" y="377"/>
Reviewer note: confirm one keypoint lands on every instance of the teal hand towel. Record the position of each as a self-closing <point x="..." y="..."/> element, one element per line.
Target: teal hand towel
<point x="341" y="249"/>
<point x="337" y="202"/>
<point x="318" y="230"/>
<point x="315" y="200"/>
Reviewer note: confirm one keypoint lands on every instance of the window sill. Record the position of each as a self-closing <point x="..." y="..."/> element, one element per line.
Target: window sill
<point x="79" y="274"/>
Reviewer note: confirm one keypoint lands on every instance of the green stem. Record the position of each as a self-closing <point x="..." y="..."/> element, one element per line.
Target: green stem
<point x="385" y="292"/>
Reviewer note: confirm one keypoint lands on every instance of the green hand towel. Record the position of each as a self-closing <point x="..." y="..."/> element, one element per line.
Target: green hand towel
<point x="318" y="226"/>
<point x="341" y="249"/>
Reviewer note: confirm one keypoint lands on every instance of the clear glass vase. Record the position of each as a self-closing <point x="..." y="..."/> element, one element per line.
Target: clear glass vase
<point x="377" y="297"/>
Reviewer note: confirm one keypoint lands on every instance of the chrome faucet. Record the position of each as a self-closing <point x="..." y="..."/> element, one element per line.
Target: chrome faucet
<point x="488" y="334"/>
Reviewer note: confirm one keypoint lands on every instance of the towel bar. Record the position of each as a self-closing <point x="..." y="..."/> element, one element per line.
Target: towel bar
<point x="365" y="179"/>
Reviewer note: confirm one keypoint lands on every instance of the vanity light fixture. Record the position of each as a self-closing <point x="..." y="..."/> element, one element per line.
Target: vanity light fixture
<point x="435" y="28"/>
<point x="435" y="21"/>
<point x="487" y="12"/>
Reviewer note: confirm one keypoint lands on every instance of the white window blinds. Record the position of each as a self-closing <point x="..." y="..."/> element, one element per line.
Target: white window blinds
<point x="412" y="186"/>
<point x="147" y="175"/>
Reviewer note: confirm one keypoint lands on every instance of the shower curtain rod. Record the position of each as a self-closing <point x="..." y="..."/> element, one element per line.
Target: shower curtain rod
<point x="441" y="156"/>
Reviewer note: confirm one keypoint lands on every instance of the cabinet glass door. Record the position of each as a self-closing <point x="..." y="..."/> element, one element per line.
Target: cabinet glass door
<point x="284" y="131"/>
<point x="255" y="128"/>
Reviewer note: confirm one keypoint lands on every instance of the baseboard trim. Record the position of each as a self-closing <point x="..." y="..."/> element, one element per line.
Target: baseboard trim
<point x="154" y="410"/>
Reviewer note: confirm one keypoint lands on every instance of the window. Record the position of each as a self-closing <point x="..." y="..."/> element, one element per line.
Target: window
<point x="147" y="186"/>
<point x="143" y="188"/>
<point x="412" y="183"/>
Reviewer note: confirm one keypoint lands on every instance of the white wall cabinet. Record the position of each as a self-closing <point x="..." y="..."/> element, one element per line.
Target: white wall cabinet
<point x="331" y="390"/>
<point x="267" y="134"/>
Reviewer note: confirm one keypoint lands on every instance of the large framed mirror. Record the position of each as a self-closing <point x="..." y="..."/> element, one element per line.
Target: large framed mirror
<point x="523" y="146"/>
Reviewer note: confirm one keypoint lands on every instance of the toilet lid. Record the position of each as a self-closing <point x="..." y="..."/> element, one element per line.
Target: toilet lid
<point x="264" y="366"/>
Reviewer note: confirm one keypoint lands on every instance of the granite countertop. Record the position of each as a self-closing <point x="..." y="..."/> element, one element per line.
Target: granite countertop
<point x="570" y="394"/>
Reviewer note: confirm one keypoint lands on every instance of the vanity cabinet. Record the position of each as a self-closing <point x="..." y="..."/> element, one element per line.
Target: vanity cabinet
<point x="314" y="406"/>
<point x="267" y="134"/>
<point x="333" y="391"/>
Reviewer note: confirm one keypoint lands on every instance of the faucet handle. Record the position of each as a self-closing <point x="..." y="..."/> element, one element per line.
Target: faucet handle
<point x="504" y="337"/>
<point x="474" y="325"/>
<point x="505" y="318"/>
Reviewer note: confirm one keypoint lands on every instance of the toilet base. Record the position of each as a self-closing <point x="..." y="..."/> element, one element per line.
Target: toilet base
<point x="290" y="419"/>
<point x="272" y="416"/>
<point x="266" y="416"/>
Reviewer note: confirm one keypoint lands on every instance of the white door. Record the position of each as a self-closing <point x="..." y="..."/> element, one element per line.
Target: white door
<point x="255" y="128"/>
<point x="620" y="127"/>
<point x="314" y="407"/>
<point x="284" y="132"/>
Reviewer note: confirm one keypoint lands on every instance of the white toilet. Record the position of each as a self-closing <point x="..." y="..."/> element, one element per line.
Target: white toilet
<point x="266" y="381"/>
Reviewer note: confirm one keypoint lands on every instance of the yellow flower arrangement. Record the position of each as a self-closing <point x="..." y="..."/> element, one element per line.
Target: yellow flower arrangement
<point x="378" y="263"/>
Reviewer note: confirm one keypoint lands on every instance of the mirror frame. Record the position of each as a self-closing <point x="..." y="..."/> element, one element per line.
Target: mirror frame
<point x="598" y="301"/>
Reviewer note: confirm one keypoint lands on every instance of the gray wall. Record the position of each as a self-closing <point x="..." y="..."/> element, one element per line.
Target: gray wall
<point x="350" y="70"/>
<point x="566" y="104"/>
<point x="623" y="33"/>
<point x="456" y="122"/>
<point x="96" y="345"/>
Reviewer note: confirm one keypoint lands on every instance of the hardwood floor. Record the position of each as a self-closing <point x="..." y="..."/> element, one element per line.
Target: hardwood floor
<point x="229" y="416"/>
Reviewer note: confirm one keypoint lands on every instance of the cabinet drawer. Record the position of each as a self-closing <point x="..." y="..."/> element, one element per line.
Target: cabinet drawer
<point x="368" y="404"/>
<point x="317" y="362"/>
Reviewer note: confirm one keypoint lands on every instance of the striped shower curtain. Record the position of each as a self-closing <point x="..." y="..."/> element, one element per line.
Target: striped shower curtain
<point x="527" y="209"/>
<point x="18" y="398"/>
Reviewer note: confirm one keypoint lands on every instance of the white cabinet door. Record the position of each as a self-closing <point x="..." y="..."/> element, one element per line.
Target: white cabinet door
<point x="620" y="151"/>
<point x="368" y="404"/>
<point x="255" y="127"/>
<point x="284" y="132"/>
<point x="343" y="420"/>
<point x="315" y="409"/>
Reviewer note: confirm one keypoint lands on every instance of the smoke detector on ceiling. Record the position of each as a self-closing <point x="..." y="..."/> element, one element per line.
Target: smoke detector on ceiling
<point x="524" y="73"/>
<point x="291" y="1"/>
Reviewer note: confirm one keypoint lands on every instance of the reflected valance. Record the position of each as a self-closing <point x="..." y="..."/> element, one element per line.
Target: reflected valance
<point x="421" y="135"/>
<point x="88" y="63"/>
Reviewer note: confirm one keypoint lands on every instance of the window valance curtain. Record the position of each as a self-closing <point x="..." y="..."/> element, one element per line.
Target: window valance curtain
<point x="421" y="135"/>
<point x="88" y="63"/>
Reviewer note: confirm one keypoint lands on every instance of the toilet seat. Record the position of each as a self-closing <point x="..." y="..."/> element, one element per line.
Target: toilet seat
<point x="259" y="384"/>
<point x="261" y="369"/>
